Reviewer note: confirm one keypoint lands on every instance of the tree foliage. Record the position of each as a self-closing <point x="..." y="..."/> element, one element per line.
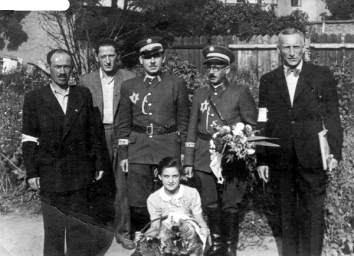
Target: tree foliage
<point x="340" y="9"/>
<point x="11" y="29"/>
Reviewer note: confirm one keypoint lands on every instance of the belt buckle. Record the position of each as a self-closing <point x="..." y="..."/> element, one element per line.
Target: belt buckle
<point x="150" y="130"/>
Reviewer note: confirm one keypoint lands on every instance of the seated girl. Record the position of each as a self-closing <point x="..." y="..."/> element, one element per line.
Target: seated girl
<point x="176" y="213"/>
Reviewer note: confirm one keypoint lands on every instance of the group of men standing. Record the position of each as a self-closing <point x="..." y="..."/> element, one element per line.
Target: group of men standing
<point x="75" y="138"/>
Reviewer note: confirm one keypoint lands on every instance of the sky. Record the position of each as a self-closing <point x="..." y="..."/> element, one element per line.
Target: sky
<point x="41" y="5"/>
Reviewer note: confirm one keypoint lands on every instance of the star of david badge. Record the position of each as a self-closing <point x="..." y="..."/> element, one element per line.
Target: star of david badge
<point x="211" y="48"/>
<point x="149" y="41"/>
<point x="204" y="106"/>
<point x="134" y="97"/>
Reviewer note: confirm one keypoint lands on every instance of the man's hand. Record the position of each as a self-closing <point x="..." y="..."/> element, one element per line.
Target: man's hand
<point x="34" y="183"/>
<point x="188" y="170"/>
<point x="263" y="172"/>
<point x="99" y="175"/>
<point x="331" y="163"/>
<point x="124" y="164"/>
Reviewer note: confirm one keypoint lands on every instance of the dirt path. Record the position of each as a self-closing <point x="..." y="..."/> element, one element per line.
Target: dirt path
<point x="22" y="235"/>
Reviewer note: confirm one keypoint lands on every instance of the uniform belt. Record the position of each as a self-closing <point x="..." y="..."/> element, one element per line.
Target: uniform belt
<point x="204" y="136"/>
<point x="108" y="126"/>
<point x="154" y="129"/>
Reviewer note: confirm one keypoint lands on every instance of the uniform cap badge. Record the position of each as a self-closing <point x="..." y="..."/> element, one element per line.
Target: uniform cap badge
<point x="149" y="41"/>
<point x="211" y="48"/>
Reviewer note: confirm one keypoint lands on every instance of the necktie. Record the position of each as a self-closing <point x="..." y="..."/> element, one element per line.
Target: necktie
<point x="296" y="71"/>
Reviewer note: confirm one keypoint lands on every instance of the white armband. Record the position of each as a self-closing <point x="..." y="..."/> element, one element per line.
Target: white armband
<point x="123" y="142"/>
<point x="190" y="144"/>
<point x="26" y="138"/>
<point x="262" y="115"/>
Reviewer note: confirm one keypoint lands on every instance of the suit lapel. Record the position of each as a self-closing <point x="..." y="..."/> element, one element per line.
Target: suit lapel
<point x="301" y="83"/>
<point x="51" y="102"/>
<point x="75" y="103"/>
<point x="118" y="80"/>
<point x="97" y="87"/>
<point x="282" y="85"/>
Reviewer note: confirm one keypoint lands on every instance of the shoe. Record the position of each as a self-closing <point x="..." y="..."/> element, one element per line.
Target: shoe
<point x="125" y="242"/>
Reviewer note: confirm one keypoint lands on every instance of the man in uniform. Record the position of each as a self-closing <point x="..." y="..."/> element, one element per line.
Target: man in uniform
<point x="221" y="103"/>
<point x="105" y="85"/>
<point x="295" y="101"/>
<point x="61" y="149"/>
<point x="153" y="120"/>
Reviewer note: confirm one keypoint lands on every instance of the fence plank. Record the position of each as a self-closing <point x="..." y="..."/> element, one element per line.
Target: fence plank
<point x="260" y="55"/>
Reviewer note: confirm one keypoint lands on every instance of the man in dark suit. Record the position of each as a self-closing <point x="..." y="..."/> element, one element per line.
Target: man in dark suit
<point x="61" y="153"/>
<point x="153" y="119"/>
<point x="222" y="103"/>
<point x="105" y="85"/>
<point x="295" y="100"/>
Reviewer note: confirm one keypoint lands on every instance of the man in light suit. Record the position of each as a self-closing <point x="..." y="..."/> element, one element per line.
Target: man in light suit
<point x="105" y="86"/>
<point x="295" y="100"/>
<point x="63" y="157"/>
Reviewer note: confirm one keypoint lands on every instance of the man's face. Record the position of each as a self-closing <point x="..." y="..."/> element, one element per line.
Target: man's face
<point x="217" y="72"/>
<point x="170" y="178"/>
<point x="60" y="69"/>
<point x="291" y="48"/>
<point x="152" y="64"/>
<point x="107" y="59"/>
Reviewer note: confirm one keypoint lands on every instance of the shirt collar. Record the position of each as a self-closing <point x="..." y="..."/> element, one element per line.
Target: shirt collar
<point x="299" y="67"/>
<point x="57" y="90"/>
<point x="167" y="197"/>
<point x="152" y="77"/>
<point x="102" y="77"/>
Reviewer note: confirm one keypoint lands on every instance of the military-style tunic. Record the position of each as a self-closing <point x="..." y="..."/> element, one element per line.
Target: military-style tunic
<point x="160" y="103"/>
<point x="235" y="103"/>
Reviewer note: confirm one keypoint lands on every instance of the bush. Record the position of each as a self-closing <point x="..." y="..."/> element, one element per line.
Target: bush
<point x="13" y="86"/>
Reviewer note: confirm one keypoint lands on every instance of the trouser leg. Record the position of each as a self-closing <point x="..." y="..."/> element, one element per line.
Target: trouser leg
<point x="140" y="184"/>
<point x="54" y="231"/>
<point x="312" y="193"/>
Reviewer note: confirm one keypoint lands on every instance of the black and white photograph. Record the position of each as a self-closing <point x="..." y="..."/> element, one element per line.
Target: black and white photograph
<point x="177" y="128"/>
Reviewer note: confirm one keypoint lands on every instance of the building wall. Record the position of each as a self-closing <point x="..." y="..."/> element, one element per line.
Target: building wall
<point x="38" y="43"/>
<point x="312" y="7"/>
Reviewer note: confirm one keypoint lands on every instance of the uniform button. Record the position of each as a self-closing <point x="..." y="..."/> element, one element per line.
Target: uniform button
<point x="292" y="136"/>
<point x="292" y="122"/>
<point x="215" y="93"/>
<point x="150" y="113"/>
<point x="149" y="93"/>
<point x="149" y="104"/>
<point x="212" y="114"/>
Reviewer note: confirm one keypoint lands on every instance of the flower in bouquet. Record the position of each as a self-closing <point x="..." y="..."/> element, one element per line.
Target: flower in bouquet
<point x="237" y="142"/>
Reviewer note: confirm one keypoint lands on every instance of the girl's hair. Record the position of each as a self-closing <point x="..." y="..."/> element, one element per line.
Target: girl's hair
<point x="168" y="162"/>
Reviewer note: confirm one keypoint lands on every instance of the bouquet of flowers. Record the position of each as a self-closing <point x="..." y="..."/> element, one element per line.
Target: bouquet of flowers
<point x="237" y="142"/>
<point x="173" y="239"/>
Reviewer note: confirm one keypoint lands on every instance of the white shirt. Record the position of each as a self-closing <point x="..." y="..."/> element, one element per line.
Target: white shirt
<point x="291" y="81"/>
<point x="61" y="95"/>
<point x="108" y="93"/>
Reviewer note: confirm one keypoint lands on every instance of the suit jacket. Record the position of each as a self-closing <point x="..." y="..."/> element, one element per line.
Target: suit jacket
<point x="68" y="147"/>
<point x="93" y="82"/>
<point x="164" y="102"/>
<point x="235" y="103"/>
<point x="298" y="125"/>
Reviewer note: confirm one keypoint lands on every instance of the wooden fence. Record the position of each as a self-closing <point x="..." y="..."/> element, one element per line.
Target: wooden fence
<point x="259" y="54"/>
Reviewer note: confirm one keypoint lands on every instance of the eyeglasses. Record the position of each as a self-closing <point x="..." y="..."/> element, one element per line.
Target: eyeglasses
<point x="155" y="56"/>
<point x="214" y="68"/>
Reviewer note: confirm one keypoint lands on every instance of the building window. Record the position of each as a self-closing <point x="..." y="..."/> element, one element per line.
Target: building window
<point x="295" y="3"/>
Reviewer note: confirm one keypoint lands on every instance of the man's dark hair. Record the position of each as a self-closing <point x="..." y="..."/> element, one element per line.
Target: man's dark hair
<point x="168" y="162"/>
<point x="106" y="42"/>
<point x="52" y="52"/>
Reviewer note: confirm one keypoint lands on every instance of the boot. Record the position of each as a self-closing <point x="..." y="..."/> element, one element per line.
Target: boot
<point x="214" y="222"/>
<point x="232" y="232"/>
